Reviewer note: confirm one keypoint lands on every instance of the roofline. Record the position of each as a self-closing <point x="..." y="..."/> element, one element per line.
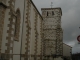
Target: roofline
<point x="67" y="45"/>
<point x="51" y="8"/>
<point x="36" y="9"/>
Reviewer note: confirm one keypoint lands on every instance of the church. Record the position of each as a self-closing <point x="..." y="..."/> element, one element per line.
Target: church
<point x="25" y="34"/>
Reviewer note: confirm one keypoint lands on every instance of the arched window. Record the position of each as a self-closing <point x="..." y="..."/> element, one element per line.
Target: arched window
<point x="17" y="25"/>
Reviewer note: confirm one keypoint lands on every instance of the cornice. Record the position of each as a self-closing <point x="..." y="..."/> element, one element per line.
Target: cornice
<point x="3" y="4"/>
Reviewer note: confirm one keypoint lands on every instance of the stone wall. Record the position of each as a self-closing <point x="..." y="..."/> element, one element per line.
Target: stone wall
<point x="2" y="16"/>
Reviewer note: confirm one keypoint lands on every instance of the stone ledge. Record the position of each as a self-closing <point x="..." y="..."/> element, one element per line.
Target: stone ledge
<point x="3" y="4"/>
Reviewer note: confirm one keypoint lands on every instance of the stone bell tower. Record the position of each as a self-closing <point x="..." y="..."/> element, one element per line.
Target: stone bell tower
<point x="52" y="32"/>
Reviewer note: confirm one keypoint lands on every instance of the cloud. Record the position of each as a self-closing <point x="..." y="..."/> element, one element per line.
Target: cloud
<point x="71" y="43"/>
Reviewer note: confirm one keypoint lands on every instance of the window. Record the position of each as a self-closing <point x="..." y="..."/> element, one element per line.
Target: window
<point x="17" y="25"/>
<point x="52" y="13"/>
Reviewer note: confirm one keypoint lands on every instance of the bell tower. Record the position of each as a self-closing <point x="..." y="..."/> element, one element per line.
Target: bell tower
<point x="52" y="31"/>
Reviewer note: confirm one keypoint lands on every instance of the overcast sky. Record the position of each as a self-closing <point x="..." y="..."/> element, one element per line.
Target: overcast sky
<point x="70" y="19"/>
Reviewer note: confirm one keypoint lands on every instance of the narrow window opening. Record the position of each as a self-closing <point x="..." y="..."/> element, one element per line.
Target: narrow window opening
<point x="52" y="13"/>
<point x="47" y="13"/>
